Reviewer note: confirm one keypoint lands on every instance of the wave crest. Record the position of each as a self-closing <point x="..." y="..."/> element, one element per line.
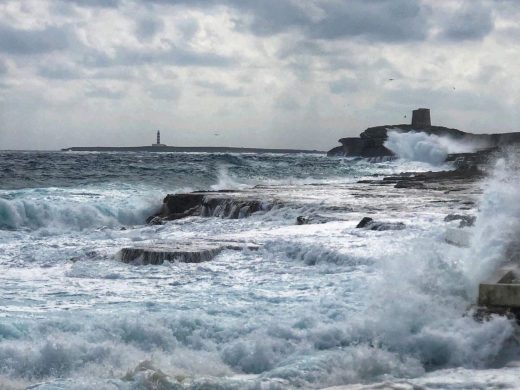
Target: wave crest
<point x="60" y="209"/>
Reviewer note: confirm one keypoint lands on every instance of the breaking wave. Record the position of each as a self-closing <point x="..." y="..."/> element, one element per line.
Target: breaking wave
<point x="58" y="209"/>
<point x="495" y="238"/>
<point x="429" y="148"/>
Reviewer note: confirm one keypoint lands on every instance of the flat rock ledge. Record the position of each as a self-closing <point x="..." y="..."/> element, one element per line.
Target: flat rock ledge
<point x="429" y="180"/>
<point x="158" y="254"/>
<point x="223" y="204"/>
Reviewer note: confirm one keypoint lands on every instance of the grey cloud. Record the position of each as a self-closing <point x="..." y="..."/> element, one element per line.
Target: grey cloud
<point x="470" y="22"/>
<point x="174" y="56"/>
<point x="286" y="101"/>
<point x="163" y="92"/>
<point x="3" y="67"/>
<point x="96" y="58"/>
<point x="303" y="47"/>
<point x="59" y="72"/>
<point x="95" y="3"/>
<point x="18" y="41"/>
<point x="115" y="74"/>
<point x="488" y="73"/>
<point x="146" y="29"/>
<point x="440" y="98"/>
<point x="188" y="28"/>
<point x="103" y="92"/>
<point x="343" y="85"/>
<point x="221" y="89"/>
<point x="270" y="16"/>
<point x="382" y="20"/>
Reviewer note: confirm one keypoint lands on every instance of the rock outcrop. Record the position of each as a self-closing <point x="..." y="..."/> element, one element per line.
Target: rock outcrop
<point x="159" y="254"/>
<point x="223" y="204"/>
<point x="369" y="224"/>
<point x="370" y="142"/>
<point x="439" y="180"/>
<point x="193" y="252"/>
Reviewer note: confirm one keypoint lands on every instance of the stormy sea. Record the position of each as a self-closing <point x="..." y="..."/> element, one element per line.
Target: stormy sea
<point x="298" y="297"/>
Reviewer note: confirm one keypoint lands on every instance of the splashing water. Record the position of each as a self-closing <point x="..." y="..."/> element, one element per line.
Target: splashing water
<point x="430" y="148"/>
<point x="496" y="236"/>
<point x="316" y="305"/>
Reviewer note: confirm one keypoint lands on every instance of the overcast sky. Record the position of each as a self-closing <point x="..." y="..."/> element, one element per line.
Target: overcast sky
<point x="264" y="73"/>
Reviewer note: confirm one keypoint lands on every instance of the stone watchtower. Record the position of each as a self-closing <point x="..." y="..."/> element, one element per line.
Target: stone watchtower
<point x="421" y="118"/>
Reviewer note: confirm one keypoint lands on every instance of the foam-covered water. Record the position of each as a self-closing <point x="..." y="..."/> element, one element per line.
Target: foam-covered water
<point x="428" y="148"/>
<point x="317" y="305"/>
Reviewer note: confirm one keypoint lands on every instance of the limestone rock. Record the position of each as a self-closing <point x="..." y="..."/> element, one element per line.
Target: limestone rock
<point x="159" y="254"/>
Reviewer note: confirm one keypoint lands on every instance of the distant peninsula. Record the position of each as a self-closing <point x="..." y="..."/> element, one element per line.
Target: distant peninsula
<point x="159" y="147"/>
<point x="370" y="142"/>
<point x="185" y="149"/>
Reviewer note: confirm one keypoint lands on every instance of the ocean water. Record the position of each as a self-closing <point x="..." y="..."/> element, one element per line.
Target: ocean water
<point x="316" y="306"/>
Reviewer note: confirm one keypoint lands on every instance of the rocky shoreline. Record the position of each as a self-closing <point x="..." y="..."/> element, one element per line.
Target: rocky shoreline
<point x="459" y="188"/>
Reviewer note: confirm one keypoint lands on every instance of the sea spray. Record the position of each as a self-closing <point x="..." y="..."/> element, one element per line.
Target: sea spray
<point x="74" y="209"/>
<point x="429" y="148"/>
<point x="317" y="305"/>
<point x="496" y="236"/>
<point x="225" y="181"/>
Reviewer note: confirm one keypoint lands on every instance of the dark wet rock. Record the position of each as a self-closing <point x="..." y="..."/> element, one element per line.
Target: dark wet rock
<point x="472" y="172"/>
<point x="154" y="220"/>
<point x="439" y="180"/>
<point x="364" y="222"/>
<point x="181" y="204"/>
<point x="465" y="220"/>
<point x="361" y="147"/>
<point x="195" y="252"/>
<point x="301" y="220"/>
<point x="159" y="254"/>
<point x="468" y="160"/>
<point x="370" y="224"/>
<point x="380" y="226"/>
<point x="223" y="204"/>
<point x="410" y="184"/>
<point x="232" y="208"/>
<point x="313" y="219"/>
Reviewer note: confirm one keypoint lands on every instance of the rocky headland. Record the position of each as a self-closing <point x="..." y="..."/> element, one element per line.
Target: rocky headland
<point x="371" y="142"/>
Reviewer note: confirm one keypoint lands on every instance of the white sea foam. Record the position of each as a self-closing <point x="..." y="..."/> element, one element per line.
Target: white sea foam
<point x="430" y="148"/>
<point x="495" y="238"/>
<point x="318" y="305"/>
<point x="59" y="209"/>
<point x="225" y="181"/>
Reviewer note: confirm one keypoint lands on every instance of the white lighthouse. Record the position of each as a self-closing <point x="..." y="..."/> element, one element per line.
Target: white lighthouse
<point x="158" y="140"/>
